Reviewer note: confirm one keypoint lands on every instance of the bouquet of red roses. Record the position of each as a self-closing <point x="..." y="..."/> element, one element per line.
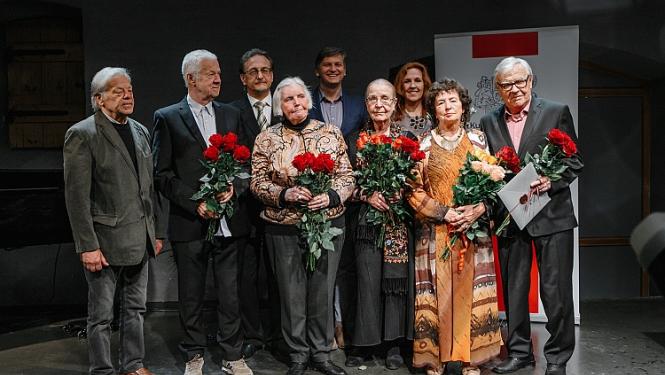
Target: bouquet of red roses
<point x="549" y="162"/>
<point x="480" y="179"/>
<point x="223" y="161"/>
<point x="384" y="166"/>
<point x="315" y="174"/>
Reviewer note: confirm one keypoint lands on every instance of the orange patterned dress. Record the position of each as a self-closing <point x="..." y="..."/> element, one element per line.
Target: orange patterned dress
<point x="456" y="312"/>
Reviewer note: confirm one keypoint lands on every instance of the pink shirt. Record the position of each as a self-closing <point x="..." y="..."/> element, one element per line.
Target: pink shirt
<point x="515" y="123"/>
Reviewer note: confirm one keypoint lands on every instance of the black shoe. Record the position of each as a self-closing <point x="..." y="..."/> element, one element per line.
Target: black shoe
<point x="328" y="368"/>
<point x="248" y="349"/>
<point x="512" y="364"/>
<point x="554" y="369"/>
<point x="393" y="362"/>
<point x="297" y="368"/>
<point x="353" y="361"/>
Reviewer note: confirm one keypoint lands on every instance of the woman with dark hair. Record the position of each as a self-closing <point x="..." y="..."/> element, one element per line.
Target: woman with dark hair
<point x="411" y="85"/>
<point x="306" y="297"/>
<point x="384" y="309"/>
<point x="456" y="317"/>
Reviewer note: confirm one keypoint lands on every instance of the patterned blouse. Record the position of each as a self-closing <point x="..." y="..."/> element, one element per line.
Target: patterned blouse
<point x="272" y="171"/>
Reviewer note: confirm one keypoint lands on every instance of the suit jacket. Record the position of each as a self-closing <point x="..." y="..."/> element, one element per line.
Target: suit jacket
<point x="251" y="127"/>
<point x="543" y="116"/>
<point x="355" y="112"/>
<point x="177" y="150"/>
<point x="109" y="203"/>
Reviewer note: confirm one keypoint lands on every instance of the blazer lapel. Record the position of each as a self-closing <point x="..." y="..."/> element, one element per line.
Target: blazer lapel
<point x="140" y="148"/>
<point x="532" y="120"/>
<point x="113" y="137"/>
<point x="190" y="122"/>
<point x="220" y="121"/>
<point x="250" y="118"/>
<point x="502" y="127"/>
<point x="315" y="112"/>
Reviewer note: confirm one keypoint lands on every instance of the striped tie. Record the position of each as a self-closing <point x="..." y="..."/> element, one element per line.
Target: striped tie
<point x="260" y="116"/>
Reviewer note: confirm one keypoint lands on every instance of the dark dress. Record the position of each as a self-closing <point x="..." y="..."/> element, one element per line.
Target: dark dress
<point x="385" y="290"/>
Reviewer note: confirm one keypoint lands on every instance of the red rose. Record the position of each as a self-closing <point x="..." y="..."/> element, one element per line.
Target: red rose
<point x="569" y="148"/>
<point x="241" y="153"/>
<point x="211" y="153"/>
<point x="417" y="155"/>
<point x="408" y="145"/>
<point x="508" y="157"/>
<point x="216" y="140"/>
<point x="229" y="142"/>
<point x="303" y="161"/>
<point x="386" y="140"/>
<point x="362" y="141"/>
<point x="323" y="163"/>
<point x="558" y="137"/>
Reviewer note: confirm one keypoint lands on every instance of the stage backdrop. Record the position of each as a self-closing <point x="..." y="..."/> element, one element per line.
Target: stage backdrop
<point x="553" y="55"/>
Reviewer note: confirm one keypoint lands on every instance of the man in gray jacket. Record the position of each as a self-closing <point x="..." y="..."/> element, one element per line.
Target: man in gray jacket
<point x="108" y="192"/>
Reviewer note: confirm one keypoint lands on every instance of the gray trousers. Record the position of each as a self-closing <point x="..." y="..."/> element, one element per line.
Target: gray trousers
<point x="131" y="283"/>
<point x="306" y="298"/>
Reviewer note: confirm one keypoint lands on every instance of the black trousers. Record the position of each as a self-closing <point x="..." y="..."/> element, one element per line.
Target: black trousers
<point x="192" y="262"/>
<point x="306" y="297"/>
<point x="259" y="298"/>
<point x="554" y="255"/>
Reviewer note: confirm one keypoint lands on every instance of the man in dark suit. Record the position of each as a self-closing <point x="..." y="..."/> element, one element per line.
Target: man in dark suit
<point x="181" y="133"/>
<point x="256" y="277"/>
<point x="523" y="123"/>
<point x="348" y="112"/>
<point x="108" y="192"/>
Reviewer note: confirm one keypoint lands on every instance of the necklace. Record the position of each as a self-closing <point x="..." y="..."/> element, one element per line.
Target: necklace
<point x="451" y="143"/>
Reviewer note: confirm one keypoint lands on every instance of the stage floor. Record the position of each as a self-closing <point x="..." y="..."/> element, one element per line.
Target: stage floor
<point x="615" y="337"/>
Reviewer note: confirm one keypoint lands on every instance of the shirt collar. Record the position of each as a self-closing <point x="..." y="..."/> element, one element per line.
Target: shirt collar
<point x="324" y="99"/>
<point x="196" y="107"/>
<point x="515" y="117"/>
<point x="267" y="100"/>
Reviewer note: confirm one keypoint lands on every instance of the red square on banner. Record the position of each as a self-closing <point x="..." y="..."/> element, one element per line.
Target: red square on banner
<point x="506" y="44"/>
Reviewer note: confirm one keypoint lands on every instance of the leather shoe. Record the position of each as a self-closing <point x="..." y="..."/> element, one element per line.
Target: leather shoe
<point x="328" y="368"/>
<point x="249" y="349"/>
<point x="393" y="362"/>
<point x="512" y="364"/>
<point x="297" y="368"/>
<point x="141" y="371"/>
<point x="353" y="361"/>
<point x="554" y="369"/>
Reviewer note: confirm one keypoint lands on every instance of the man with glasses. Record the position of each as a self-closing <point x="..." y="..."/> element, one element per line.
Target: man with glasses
<point x="523" y="123"/>
<point x="256" y="276"/>
<point x="331" y="105"/>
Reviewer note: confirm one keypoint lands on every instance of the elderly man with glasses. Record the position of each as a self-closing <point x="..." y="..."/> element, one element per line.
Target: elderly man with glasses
<point x="522" y="123"/>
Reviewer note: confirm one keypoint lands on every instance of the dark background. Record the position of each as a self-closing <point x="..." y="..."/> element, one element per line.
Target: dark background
<point x="622" y="88"/>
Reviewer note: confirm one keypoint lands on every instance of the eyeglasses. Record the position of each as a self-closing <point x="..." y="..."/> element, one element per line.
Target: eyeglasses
<point x="255" y="72"/>
<point x="507" y="86"/>
<point x="384" y="100"/>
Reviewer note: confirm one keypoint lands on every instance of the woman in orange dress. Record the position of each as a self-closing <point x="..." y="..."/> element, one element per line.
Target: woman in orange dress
<point x="456" y="305"/>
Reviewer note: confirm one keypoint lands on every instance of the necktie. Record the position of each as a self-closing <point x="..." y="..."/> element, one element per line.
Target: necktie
<point x="260" y="116"/>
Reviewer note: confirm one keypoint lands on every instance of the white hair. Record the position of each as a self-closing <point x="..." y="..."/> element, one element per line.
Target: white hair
<point x="101" y="80"/>
<point x="191" y="63"/>
<point x="277" y="95"/>
<point x="508" y="63"/>
<point x="381" y="82"/>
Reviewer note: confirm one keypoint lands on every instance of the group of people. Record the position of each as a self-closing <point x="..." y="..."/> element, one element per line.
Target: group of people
<point x="403" y="299"/>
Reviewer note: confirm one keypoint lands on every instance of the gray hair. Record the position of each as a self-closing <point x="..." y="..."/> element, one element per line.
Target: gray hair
<point x="191" y="63"/>
<point x="251" y="53"/>
<point x="101" y="80"/>
<point x="381" y="82"/>
<point x="277" y="95"/>
<point x="510" y="62"/>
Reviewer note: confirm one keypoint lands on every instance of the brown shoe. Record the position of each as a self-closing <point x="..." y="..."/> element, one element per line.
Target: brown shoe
<point x="141" y="371"/>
